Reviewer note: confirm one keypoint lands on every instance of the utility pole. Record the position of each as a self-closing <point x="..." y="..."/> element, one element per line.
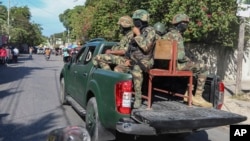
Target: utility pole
<point x="8" y="19"/>
<point x="240" y="55"/>
<point x="68" y="37"/>
<point x="243" y="12"/>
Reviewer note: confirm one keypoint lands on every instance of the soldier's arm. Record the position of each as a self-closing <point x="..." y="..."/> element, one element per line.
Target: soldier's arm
<point x="122" y="47"/>
<point x="146" y="42"/>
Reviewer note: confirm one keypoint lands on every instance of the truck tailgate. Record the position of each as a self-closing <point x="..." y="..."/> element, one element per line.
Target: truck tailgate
<point x="170" y="116"/>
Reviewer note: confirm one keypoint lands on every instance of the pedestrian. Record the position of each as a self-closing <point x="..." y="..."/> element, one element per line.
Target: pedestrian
<point x="180" y="24"/>
<point x="30" y="52"/>
<point x="65" y="53"/>
<point x="140" y="53"/>
<point x="1" y="54"/>
<point x="8" y="52"/>
<point x="4" y="54"/>
<point x="115" y="55"/>
<point x="15" y="54"/>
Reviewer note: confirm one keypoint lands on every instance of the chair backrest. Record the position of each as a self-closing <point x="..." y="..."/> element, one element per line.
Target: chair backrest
<point x="166" y="50"/>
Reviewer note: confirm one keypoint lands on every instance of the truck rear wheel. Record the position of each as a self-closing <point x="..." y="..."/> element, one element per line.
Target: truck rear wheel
<point x="93" y="123"/>
<point x="63" y="93"/>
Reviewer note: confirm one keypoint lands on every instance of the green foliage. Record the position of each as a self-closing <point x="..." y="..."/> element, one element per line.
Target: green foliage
<point x="22" y="31"/>
<point x="211" y="21"/>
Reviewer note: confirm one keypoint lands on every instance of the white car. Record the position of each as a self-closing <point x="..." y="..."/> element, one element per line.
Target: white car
<point x="40" y="51"/>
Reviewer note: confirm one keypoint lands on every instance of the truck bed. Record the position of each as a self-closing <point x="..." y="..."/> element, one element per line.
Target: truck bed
<point x="172" y="117"/>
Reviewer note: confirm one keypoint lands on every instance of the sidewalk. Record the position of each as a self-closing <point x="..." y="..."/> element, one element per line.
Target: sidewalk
<point x="234" y="105"/>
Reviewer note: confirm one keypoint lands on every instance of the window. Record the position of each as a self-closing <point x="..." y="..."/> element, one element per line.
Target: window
<point x="89" y="54"/>
<point x="79" y="57"/>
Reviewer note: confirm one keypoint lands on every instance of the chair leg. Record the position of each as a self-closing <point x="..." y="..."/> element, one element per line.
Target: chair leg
<point x="190" y="88"/>
<point x="150" y="91"/>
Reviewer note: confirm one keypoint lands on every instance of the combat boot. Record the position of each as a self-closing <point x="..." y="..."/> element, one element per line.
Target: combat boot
<point x="198" y="100"/>
<point x="137" y="103"/>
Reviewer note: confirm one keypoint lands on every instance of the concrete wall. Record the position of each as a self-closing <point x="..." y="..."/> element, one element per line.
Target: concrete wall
<point x="222" y="60"/>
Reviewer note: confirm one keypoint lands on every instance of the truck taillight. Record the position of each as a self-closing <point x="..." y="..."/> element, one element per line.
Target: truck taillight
<point x="221" y="95"/>
<point x="123" y="95"/>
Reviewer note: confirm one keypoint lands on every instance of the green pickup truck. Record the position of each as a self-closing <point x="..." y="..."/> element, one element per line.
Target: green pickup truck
<point x="104" y="99"/>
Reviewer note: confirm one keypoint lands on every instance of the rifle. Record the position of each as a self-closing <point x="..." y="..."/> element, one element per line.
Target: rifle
<point x="131" y="48"/>
<point x="133" y="60"/>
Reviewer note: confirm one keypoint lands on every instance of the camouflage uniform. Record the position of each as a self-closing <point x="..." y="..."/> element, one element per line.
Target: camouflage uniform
<point x="143" y="55"/>
<point x="104" y="60"/>
<point x="184" y="63"/>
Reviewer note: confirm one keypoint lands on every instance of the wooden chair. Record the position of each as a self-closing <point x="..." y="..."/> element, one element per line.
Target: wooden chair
<point x="167" y="50"/>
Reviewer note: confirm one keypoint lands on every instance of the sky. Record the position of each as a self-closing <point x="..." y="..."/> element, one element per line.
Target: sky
<point x="46" y="12"/>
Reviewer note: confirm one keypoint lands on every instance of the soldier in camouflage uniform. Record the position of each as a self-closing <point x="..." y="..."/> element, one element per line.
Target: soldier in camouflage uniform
<point x="160" y="30"/>
<point x="180" y="22"/>
<point x="140" y="55"/>
<point x="115" y="55"/>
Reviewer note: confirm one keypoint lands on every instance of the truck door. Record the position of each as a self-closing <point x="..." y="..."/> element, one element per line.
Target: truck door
<point x="82" y="74"/>
<point x="75" y="66"/>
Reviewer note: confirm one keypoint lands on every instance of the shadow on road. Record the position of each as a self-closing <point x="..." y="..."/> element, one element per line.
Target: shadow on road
<point x="197" y="136"/>
<point x="33" y="131"/>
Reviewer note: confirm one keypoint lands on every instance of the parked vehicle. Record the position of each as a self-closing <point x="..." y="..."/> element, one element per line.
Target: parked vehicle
<point x="105" y="97"/>
<point x="40" y="51"/>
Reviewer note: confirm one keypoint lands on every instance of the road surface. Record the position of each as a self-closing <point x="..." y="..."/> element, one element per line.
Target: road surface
<point x="29" y="99"/>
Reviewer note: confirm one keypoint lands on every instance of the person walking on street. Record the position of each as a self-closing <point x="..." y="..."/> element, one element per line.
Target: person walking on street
<point x="180" y="23"/>
<point x="3" y="54"/>
<point x="15" y="54"/>
<point x="30" y="52"/>
<point x="65" y="53"/>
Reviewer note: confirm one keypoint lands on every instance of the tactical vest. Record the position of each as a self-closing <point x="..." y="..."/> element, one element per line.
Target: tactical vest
<point x="139" y="54"/>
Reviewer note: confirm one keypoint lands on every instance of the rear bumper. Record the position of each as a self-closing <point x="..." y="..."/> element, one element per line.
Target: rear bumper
<point x="129" y="126"/>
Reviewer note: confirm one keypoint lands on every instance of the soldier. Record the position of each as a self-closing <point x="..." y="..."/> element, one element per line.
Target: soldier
<point x="160" y="30"/>
<point x="180" y="22"/>
<point x="140" y="52"/>
<point x="115" y="55"/>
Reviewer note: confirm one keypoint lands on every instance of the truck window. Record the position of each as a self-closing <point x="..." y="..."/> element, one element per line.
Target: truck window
<point x="89" y="54"/>
<point x="79" y="57"/>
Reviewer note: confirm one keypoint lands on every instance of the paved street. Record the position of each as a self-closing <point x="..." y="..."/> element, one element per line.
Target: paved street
<point x="29" y="99"/>
<point x="234" y="105"/>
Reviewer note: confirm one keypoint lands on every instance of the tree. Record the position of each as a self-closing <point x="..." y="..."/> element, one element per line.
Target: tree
<point x="211" y="21"/>
<point x="22" y="31"/>
<point x="3" y="19"/>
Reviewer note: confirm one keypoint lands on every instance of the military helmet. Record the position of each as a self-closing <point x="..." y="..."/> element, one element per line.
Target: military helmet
<point x="160" y="27"/>
<point x="141" y="14"/>
<point x="125" y="21"/>
<point x="180" y="18"/>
